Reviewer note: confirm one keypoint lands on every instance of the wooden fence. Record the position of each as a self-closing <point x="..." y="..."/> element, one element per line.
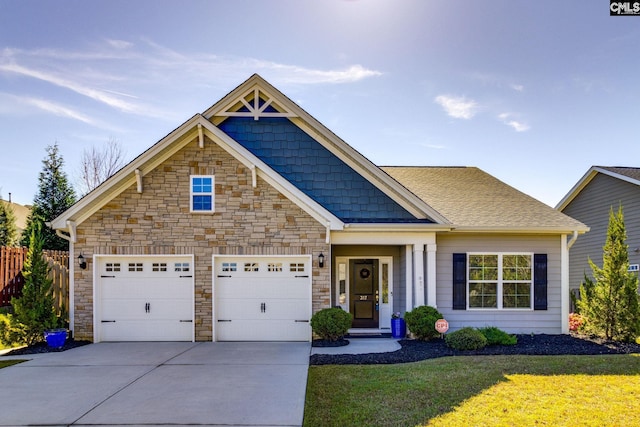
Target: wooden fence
<point x="12" y="280"/>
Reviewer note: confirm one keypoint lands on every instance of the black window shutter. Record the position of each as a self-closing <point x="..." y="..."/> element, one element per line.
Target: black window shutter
<point x="540" y="281"/>
<point x="459" y="281"/>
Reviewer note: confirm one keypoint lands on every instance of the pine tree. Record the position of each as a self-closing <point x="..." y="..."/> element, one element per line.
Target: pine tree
<point x="55" y="195"/>
<point x="610" y="303"/>
<point x="8" y="228"/>
<point x="33" y="312"/>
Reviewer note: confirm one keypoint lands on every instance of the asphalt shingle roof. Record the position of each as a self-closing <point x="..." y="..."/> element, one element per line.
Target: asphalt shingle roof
<point x="469" y="197"/>
<point x="633" y="173"/>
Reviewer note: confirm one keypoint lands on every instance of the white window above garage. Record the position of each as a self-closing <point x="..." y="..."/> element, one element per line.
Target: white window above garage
<point x="202" y="193"/>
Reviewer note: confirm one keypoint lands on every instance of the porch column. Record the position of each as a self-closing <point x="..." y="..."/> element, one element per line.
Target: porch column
<point x="418" y="273"/>
<point x="564" y="284"/>
<point x="431" y="275"/>
<point x="409" y="277"/>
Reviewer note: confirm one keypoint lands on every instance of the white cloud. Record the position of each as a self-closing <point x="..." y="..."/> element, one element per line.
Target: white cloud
<point x="119" y="44"/>
<point x="98" y="95"/>
<point x="124" y="76"/>
<point x="457" y="106"/>
<point x="517" y="87"/>
<point x="351" y="74"/>
<point x="509" y="120"/>
<point x="57" y="109"/>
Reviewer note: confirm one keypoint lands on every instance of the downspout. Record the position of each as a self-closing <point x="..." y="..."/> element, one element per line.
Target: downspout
<point x="573" y="239"/>
<point x="71" y="238"/>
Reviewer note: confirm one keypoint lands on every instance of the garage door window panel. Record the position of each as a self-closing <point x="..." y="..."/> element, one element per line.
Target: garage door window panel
<point x="181" y="267"/>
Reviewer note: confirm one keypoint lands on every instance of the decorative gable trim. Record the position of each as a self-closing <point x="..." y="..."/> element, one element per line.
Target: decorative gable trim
<point x="256" y="103"/>
<point x="245" y="97"/>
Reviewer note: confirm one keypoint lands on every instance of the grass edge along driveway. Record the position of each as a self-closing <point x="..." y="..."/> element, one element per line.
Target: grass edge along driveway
<point x="478" y="390"/>
<point x="6" y="363"/>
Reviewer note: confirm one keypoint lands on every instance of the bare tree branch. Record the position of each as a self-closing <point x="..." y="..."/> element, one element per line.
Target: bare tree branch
<point x="98" y="164"/>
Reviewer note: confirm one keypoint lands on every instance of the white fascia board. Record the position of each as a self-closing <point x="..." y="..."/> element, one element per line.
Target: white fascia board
<point x="519" y="230"/>
<point x="586" y="179"/>
<point x="317" y="211"/>
<point x="617" y="176"/>
<point x="396" y="227"/>
<point x="386" y="237"/>
<point x="126" y="176"/>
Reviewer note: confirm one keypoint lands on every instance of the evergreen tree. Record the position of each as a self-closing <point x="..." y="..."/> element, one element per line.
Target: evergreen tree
<point x="610" y="303"/>
<point x="33" y="312"/>
<point x="8" y="228"/>
<point x="55" y="195"/>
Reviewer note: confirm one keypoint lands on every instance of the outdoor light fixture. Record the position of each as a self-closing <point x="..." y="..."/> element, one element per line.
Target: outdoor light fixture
<point x="321" y="260"/>
<point x="81" y="262"/>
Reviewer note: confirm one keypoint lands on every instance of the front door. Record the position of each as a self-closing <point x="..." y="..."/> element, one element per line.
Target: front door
<point x="363" y="295"/>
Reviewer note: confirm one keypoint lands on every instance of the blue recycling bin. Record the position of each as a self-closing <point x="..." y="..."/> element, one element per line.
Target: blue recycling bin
<point x="55" y="338"/>
<point x="398" y="328"/>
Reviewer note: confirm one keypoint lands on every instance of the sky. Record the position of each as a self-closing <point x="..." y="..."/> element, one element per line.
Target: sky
<point x="532" y="92"/>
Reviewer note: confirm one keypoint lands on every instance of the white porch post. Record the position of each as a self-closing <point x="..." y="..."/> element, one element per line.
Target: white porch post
<point x="418" y="273"/>
<point x="564" y="284"/>
<point x="431" y="275"/>
<point x="409" y="278"/>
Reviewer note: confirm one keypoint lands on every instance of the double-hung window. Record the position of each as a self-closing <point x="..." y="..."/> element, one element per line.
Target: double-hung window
<point x="500" y="281"/>
<point x="202" y="193"/>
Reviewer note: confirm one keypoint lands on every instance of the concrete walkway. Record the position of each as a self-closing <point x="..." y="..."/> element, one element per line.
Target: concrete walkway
<point x="221" y="384"/>
<point x="361" y="346"/>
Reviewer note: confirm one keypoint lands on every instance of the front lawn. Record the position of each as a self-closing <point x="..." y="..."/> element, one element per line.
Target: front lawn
<point x="478" y="390"/>
<point x="5" y="363"/>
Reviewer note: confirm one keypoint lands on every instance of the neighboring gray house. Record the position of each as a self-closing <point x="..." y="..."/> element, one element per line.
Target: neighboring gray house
<point x="590" y="201"/>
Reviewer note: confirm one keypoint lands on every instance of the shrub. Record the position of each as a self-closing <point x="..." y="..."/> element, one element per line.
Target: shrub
<point x="609" y="303"/>
<point x="331" y="323"/>
<point x="497" y="336"/>
<point x="466" y="339"/>
<point x="34" y="311"/>
<point x="421" y="321"/>
<point x="575" y="322"/>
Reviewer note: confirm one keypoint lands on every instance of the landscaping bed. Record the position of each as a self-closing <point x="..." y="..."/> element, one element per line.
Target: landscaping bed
<point x="543" y="345"/>
<point x="43" y="348"/>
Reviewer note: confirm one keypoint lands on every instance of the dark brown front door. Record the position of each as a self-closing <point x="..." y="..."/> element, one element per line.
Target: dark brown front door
<point x="364" y="293"/>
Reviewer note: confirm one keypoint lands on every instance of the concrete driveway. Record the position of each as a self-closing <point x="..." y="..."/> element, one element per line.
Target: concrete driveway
<point x="238" y="384"/>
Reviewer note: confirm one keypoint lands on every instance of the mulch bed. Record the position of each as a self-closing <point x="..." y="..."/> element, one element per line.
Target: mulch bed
<point x="43" y="348"/>
<point x="543" y="345"/>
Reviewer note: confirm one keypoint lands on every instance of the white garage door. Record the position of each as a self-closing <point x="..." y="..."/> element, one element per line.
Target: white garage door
<point x="262" y="298"/>
<point x="144" y="298"/>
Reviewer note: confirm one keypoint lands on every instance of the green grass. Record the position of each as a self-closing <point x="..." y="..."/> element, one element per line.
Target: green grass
<point x="5" y="363"/>
<point x="476" y="391"/>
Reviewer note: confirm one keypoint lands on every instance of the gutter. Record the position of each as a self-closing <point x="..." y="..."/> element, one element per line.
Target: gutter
<point x="573" y="239"/>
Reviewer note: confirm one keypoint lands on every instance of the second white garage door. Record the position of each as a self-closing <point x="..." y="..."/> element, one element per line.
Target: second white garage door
<point x="262" y="298"/>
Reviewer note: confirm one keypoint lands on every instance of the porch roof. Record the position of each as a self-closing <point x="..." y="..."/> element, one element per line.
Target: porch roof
<point x="472" y="199"/>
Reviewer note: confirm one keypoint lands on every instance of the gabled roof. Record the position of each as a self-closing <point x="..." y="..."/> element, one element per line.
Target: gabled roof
<point x="255" y="98"/>
<point x="196" y="127"/>
<point x="627" y="174"/>
<point x="473" y="200"/>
